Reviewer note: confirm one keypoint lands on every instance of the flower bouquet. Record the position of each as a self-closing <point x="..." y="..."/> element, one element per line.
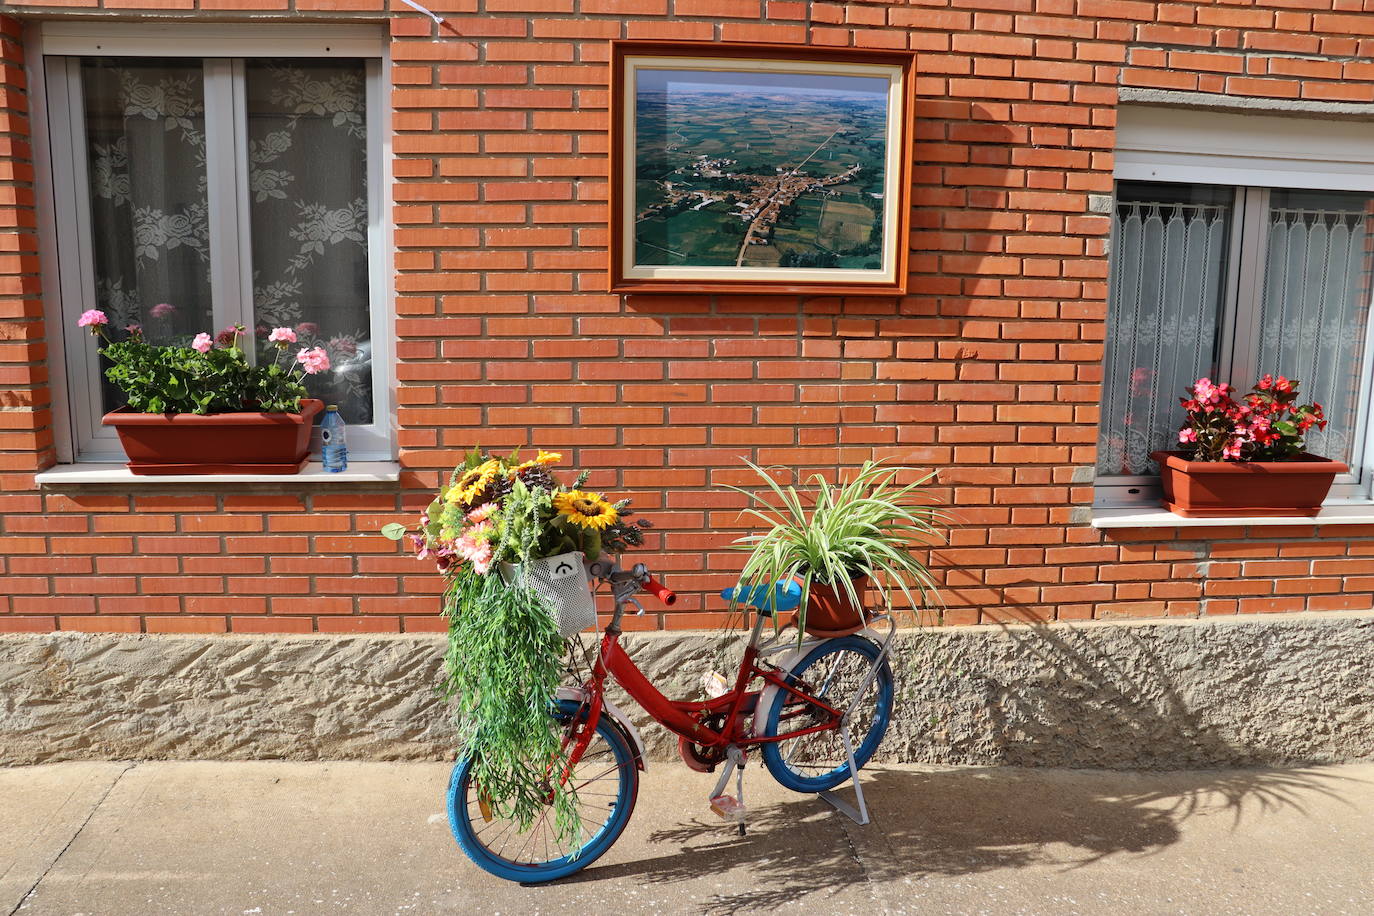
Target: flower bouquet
<point x="512" y="543"/>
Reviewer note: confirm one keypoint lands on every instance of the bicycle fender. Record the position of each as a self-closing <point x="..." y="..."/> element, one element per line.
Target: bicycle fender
<point x="766" y="697"/>
<point x="578" y="695"/>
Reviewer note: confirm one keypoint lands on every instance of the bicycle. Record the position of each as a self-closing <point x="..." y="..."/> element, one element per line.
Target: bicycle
<point x="821" y="713"/>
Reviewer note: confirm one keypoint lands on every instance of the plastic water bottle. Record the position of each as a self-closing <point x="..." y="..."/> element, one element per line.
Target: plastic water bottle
<point x="334" y="444"/>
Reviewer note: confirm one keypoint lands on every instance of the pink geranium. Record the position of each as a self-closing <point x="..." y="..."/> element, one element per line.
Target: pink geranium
<point x="282" y="336"/>
<point x="163" y="310"/>
<point x="94" y="319"/>
<point x="203" y="343"/>
<point x="313" y="360"/>
<point x="228" y="336"/>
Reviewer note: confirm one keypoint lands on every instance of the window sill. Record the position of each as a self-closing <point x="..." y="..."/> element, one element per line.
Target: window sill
<point x="1155" y="517"/>
<point x="314" y="473"/>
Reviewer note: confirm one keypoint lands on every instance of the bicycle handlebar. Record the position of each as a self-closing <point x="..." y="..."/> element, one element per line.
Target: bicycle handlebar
<point x="660" y="591"/>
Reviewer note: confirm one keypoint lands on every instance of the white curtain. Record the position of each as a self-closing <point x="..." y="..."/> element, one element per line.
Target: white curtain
<point x="307" y="153"/>
<point x="1314" y="307"/>
<point x="145" y="152"/>
<point x="1167" y="277"/>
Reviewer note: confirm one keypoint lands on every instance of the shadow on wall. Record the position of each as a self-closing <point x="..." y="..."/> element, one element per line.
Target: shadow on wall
<point x="1211" y="694"/>
<point x="966" y="822"/>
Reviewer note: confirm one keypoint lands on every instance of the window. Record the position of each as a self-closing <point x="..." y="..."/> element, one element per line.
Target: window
<point x="1232" y="281"/>
<point x="193" y="193"/>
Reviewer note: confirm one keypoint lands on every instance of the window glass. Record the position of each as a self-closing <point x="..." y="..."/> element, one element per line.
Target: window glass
<point x="1170" y="248"/>
<point x="149" y="213"/>
<point x="307" y="179"/>
<point x="1314" y="306"/>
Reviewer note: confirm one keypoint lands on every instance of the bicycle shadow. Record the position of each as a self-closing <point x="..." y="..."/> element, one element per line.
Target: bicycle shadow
<point x="951" y="822"/>
<point x="947" y="821"/>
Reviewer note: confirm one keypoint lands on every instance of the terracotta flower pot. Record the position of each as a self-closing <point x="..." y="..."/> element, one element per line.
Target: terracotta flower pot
<point x="829" y="612"/>
<point x="1210" y="489"/>
<point x="217" y="443"/>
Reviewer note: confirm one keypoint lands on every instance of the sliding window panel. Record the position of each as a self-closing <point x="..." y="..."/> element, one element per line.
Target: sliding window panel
<point x="1168" y="279"/>
<point x="1313" y="321"/>
<point x="149" y="231"/>
<point x="308" y="213"/>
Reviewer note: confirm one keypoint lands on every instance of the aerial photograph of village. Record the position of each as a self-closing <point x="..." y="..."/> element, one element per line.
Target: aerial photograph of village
<point x="756" y="169"/>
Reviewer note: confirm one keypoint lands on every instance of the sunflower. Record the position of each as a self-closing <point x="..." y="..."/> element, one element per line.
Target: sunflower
<point x="587" y="510"/>
<point x="475" y="481"/>
<point x="543" y="458"/>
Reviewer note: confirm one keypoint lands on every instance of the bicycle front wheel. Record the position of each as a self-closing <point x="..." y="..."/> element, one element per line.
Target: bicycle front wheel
<point x="607" y="783"/>
<point x="836" y="672"/>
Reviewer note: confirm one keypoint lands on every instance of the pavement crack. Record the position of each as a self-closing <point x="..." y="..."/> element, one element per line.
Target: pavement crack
<point x="58" y="858"/>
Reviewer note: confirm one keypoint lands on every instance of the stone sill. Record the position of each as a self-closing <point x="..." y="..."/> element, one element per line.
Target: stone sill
<point x="117" y="475"/>
<point x="1156" y="517"/>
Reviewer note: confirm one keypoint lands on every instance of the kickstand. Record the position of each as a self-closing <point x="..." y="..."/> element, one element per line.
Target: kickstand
<point x="860" y="816"/>
<point x="723" y="805"/>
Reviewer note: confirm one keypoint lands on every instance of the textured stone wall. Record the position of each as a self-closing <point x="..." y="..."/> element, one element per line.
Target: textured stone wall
<point x="1157" y="694"/>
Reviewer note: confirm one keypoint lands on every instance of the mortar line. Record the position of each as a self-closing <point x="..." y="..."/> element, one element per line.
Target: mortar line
<point x="58" y="858"/>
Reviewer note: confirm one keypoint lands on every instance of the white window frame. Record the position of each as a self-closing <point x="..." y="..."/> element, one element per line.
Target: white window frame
<point x="62" y="187"/>
<point x="1169" y="145"/>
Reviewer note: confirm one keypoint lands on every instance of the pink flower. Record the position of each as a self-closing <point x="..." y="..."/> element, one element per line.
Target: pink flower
<point x="282" y="336"/>
<point x="227" y="337"/>
<point x="163" y="310"/>
<point x="314" y="360"/>
<point x="474" y="547"/>
<point x="1187" y="435"/>
<point x="307" y="329"/>
<point x="93" y="319"/>
<point x="134" y="329"/>
<point x="482" y="512"/>
<point x="202" y="343"/>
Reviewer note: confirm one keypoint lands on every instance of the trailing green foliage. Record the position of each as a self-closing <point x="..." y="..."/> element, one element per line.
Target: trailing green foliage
<point x="502" y="669"/>
<point x="835" y="533"/>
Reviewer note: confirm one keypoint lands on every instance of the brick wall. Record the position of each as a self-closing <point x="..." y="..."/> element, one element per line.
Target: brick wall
<point x="988" y="371"/>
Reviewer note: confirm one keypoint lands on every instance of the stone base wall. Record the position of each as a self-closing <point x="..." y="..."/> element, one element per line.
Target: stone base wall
<point x="1174" y="694"/>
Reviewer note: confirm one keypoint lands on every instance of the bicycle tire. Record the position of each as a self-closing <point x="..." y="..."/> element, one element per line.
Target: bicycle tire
<point x="817" y="762"/>
<point x="608" y="753"/>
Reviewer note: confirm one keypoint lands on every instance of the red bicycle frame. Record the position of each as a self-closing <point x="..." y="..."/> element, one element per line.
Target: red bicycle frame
<point x="685" y="717"/>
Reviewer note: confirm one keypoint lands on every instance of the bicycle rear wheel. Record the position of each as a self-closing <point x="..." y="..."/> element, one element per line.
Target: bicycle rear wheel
<point x="607" y="783"/>
<point x="835" y="672"/>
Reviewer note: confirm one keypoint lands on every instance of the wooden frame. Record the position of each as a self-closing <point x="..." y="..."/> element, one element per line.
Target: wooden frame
<point x="886" y="77"/>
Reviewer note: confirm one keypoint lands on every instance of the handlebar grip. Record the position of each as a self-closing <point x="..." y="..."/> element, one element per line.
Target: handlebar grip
<point x="660" y="591"/>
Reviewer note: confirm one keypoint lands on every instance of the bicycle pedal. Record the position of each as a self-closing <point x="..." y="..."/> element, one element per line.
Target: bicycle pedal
<point x="727" y="807"/>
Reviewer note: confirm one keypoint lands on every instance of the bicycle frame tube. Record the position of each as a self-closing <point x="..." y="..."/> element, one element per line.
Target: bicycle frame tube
<point x="680" y="716"/>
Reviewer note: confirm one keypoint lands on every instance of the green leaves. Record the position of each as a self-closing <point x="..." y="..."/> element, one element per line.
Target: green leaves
<point x="394" y="531"/>
<point x="158" y="379"/>
<point x="868" y="526"/>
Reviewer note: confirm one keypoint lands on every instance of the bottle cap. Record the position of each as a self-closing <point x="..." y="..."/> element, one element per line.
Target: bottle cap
<point x="333" y="407"/>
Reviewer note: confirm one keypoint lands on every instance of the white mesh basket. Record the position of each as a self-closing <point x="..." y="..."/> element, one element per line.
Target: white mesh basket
<point x="563" y="582"/>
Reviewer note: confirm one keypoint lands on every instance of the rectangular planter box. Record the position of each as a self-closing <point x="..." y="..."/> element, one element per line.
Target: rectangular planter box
<point x="1211" y="489"/>
<point x="217" y="443"/>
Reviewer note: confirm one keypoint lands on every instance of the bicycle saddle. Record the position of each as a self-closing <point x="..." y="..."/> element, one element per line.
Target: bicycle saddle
<point x="766" y="598"/>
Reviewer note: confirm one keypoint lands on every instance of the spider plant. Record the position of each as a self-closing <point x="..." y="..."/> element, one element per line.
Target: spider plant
<point x="834" y="533"/>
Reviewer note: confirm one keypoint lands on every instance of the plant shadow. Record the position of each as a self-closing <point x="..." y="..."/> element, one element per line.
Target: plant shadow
<point x="1084" y="708"/>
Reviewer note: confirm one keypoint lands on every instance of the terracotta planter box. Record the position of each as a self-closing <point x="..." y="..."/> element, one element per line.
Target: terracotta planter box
<point x="217" y="443"/>
<point x="1211" y="489"/>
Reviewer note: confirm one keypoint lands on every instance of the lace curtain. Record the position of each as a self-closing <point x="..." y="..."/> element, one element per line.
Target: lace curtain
<point x="1314" y="308"/>
<point x="1167" y="279"/>
<point x="307" y="174"/>
<point x="145" y="152"/>
<point x="308" y="215"/>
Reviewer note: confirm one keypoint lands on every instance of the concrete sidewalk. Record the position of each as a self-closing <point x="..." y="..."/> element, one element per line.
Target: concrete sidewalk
<point x="108" y="839"/>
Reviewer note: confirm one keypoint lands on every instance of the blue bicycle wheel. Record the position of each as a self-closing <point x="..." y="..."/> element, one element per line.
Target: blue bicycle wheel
<point x="607" y="783"/>
<point x="835" y="672"/>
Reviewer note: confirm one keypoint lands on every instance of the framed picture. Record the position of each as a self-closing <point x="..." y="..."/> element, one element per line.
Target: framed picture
<point x="759" y="168"/>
